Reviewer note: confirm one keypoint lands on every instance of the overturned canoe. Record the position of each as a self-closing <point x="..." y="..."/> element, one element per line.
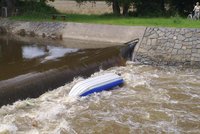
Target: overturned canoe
<point x="96" y="84"/>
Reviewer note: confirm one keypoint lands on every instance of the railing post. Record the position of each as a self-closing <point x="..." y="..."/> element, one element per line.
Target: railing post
<point x="4" y="12"/>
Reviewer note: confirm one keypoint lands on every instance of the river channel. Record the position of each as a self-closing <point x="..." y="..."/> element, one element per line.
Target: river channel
<point x="153" y="100"/>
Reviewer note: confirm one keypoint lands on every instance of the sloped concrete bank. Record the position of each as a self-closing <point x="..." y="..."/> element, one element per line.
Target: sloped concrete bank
<point x="169" y="46"/>
<point x="60" y="30"/>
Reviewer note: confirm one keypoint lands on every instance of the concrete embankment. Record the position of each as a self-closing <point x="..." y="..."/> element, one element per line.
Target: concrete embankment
<point x="60" y="30"/>
<point x="170" y="46"/>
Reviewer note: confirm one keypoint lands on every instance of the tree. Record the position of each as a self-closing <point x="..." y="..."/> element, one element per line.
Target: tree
<point x="182" y="7"/>
<point x="115" y="6"/>
<point x="153" y="8"/>
<point x="11" y="4"/>
<point x="162" y="5"/>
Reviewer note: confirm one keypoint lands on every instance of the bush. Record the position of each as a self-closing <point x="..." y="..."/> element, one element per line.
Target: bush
<point x="176" y="19"/>
<point x="150" y="8"/>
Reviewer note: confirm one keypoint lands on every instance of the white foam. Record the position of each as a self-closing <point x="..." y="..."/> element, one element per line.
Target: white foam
<point x="30" y="52"/>
<point x="64" y="127"/>
<point x="50" y="111"/>
<point x="4" y="129"/>
<point x="56" y="52"/>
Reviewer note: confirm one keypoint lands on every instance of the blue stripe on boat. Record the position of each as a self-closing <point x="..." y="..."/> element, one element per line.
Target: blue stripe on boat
<point x="102" y="88"/>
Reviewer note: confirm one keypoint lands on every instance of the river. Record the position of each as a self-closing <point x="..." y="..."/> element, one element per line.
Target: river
<point x="153" y="100"/>
<point x="29" y="69"/>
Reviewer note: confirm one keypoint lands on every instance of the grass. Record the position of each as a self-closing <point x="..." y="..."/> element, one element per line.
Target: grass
<point x="114" y="20"/>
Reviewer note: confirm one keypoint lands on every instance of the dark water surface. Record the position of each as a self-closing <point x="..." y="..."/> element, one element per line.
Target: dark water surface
<point x="18" y="57"/>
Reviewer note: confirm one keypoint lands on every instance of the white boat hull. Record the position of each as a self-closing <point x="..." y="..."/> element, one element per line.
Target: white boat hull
<point x="96" y="84"/>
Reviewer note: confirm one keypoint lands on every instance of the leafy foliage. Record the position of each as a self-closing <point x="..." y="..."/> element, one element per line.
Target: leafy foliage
<point x="150" y="8"/>
<point x="24" y="6"/>
<point x="35" y="7"/>
<point x="182" y="7"/>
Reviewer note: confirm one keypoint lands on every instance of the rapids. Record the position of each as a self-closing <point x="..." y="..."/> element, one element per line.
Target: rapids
<point x="153" y="100"/>
<point x="29" y="69"/>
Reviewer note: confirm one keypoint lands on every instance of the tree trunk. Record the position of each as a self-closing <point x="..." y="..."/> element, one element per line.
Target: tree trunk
<point x="125" y="9"/>
<point x="116" y="8"/>
<point x="162" y="6"/>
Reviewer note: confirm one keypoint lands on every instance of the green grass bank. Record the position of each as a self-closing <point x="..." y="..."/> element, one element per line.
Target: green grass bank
<point x="114" y="20"/>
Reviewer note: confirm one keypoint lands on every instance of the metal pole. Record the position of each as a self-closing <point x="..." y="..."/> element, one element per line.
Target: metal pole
<point x="5" y="11"/>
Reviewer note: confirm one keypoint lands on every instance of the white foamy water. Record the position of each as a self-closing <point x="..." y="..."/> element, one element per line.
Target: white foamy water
<point x="48" y="52"/>
<point x="153" y="100"/>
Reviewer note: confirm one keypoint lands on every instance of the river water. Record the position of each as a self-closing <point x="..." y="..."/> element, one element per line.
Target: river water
<point x="153" y="100"/>
<point x="30" y="68"/>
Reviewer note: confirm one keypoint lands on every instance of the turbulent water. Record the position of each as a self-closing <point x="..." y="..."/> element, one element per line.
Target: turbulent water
<point x="153" y="100"/>
<point x="30" y="68"/>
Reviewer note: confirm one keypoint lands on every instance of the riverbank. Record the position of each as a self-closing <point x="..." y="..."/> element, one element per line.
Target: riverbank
<point x="157" y="45"/>
<point x="170" y="46"/>
<point x="111" y="19"/>
<point x="81" y="31"/>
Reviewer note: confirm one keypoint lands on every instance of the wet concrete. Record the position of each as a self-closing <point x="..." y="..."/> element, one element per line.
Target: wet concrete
<point x="29" y="69"/>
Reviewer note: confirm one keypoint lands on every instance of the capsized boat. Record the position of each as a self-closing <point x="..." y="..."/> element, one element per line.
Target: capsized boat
<point x="96" y="84"/>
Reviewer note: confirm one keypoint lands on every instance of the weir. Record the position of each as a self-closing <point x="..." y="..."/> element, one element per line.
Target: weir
<point x="29" y="70"/>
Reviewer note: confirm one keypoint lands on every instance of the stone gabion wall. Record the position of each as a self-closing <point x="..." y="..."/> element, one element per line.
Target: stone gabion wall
<point x="170" y="46"/>
<point x="42" y="29"/>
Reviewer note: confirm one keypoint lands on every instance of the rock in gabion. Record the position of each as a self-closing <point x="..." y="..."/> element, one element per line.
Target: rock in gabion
<point x="170" y="46"/>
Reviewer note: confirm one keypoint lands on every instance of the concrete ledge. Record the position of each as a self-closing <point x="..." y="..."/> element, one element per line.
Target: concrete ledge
<point x="60" y="30"/>
<point x="97" y="32"/>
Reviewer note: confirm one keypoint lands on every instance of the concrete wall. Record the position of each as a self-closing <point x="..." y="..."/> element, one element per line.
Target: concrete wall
<point x="169" y="46"/>
<point x="59" y="30"/>
<point x="110" y="33"/>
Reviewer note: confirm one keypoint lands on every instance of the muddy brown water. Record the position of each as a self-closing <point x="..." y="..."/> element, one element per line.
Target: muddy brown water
<point x="153" y="100"/>
<point x="29" y="69"/>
